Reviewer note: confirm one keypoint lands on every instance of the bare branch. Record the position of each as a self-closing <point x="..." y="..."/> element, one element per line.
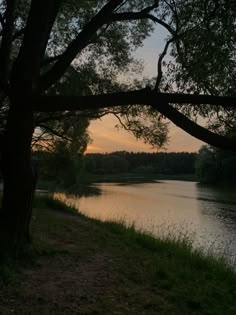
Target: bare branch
<point x="160" y="60"/>
<point x="173" y="8"/>
<point x="54" y="132"/>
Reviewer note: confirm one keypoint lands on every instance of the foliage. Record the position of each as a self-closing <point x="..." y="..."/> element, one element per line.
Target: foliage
<point x="204" y="57"/>
<point x="149" y="163"/>
<point x="61" y="57"/>
<point x="61" y="160"/>
<point x="216" y="166"/>
<point x="98" y="67"/>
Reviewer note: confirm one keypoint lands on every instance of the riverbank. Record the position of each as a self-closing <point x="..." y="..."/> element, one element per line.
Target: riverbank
<point x="79" y="265"/>
<point x="85" y="188"/>
<point x="136" y="178"/>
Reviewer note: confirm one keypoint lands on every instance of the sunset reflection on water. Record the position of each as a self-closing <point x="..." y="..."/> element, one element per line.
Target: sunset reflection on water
<point x="171" y="207"/>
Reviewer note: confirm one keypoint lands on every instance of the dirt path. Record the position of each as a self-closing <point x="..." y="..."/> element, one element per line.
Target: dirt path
<point x="76" y="280"/>
<point x="86" y="267"/>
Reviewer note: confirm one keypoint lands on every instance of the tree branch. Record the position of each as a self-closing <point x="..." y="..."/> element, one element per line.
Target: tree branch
<point x="158" y="101"/>
<point x="160" y="60"/>
<point x="54" y="132"/>
<point x="41" y="18"/>
<point x="129" y="16"/>
<point x="193" y="128"/>
<point x="78" y="44"/>
<point x="6" y="43"/>
<point x="133" y="97"/>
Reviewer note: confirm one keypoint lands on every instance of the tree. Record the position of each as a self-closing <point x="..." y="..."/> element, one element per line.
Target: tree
<point x="215" y="166"/>
<point x="59" y="147"/>
<point x="41" y="40"/>
<point x="207" y="168"/>
<point x="155" y="163"/>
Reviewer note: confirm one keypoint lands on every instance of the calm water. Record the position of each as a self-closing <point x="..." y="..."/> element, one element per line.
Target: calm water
<point x="208" y="215"/>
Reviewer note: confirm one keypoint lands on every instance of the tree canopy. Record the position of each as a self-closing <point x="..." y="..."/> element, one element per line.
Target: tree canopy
<point x="215" y="166"/>
<point x="87" y="47"/>
<point x="61" y="57"/>
<point x="140" y="162"/>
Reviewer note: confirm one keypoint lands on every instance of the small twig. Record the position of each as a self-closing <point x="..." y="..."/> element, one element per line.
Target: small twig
<point x="50" y="130"/>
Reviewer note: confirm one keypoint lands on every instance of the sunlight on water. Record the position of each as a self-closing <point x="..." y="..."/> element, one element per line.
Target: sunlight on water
<point x="206" y="215"/>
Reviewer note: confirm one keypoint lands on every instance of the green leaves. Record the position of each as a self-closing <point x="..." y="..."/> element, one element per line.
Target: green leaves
<point x="205" y="52"/>
<point x="204" y="57"/>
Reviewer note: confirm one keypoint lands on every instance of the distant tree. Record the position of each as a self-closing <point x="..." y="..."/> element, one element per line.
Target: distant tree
<point x="156" y="163"/>
<point x="215" y="166"/>
<point x="206" y="165"/>
<point x="61" y="146"/>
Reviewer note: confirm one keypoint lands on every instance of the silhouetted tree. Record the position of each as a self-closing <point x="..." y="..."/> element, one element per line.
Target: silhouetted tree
<point x="155" y="163"/>
<point x="216" y="166"/>
<point x="40" y="40"/>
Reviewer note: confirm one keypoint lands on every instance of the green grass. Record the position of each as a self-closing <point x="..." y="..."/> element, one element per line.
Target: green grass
<point x="78" y="265"/>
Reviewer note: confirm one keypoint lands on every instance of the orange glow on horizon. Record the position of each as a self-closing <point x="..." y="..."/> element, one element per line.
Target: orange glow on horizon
<point x="106" y="139"/>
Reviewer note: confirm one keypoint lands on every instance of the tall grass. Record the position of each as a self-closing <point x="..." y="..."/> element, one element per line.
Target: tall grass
<point x="179" y="235"/>
<point x="147" y="274"/>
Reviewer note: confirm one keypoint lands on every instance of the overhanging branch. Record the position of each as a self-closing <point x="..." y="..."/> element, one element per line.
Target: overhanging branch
<point x="80" y="42"/>
<point x="194" y="129"/>
<point x="143" y="97"/>
<point x="158" y="101"/>
<point x="132" y="16"/>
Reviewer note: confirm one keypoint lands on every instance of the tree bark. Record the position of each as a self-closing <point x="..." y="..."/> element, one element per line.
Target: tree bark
<point x="17" y="176"/>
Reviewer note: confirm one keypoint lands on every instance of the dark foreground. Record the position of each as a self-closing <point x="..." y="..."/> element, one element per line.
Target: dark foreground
<point x="81" y="266"/>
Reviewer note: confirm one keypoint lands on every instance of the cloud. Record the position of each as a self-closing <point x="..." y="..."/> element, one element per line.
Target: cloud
<point x="106" y="138"/>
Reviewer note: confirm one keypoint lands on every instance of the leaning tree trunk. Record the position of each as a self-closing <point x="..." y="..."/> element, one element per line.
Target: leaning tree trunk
<point x="17" y="175"/>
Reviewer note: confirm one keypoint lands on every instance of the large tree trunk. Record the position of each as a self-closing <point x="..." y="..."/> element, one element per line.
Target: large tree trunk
<point x="17" y="176"/>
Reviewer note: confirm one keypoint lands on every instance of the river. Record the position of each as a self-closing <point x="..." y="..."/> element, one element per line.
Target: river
<point x="207" y="215"/>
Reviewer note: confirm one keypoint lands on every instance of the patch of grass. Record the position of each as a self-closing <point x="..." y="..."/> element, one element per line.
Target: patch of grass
<point x="59" y="206"/>
<point x="24" y="257"/>
<point x="93" y="267"/>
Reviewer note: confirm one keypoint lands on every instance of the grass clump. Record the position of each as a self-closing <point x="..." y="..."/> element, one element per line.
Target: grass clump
<point x="99" y="267"/>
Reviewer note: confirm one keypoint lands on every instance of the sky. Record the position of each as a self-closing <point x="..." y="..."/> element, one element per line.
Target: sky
<point x="106" y="138"/>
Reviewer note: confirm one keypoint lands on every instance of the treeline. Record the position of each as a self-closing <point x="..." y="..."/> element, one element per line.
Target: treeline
<point x="215" y="166"/>
<point x="141" y="162"/>
<point x="60" y="168"/>
<point x="63" y="168"/>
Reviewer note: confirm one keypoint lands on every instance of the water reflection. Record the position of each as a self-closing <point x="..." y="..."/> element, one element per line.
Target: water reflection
<point x="208" y="214"/>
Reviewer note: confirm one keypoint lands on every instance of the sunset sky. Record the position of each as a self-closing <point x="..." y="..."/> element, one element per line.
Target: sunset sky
<point x="106" y="138"/>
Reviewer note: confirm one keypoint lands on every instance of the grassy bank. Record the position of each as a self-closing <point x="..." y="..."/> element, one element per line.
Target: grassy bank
<point x="77" y="265"/>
